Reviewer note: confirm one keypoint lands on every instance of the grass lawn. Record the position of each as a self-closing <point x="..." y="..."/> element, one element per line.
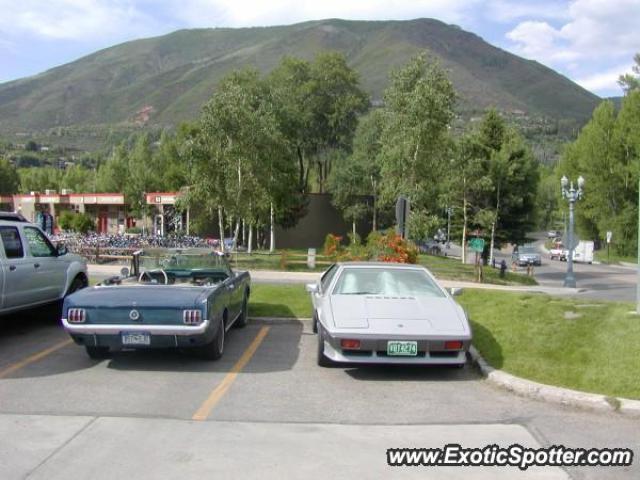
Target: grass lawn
<point x="613" y="258"/>
<point x="579" y="344"/>
<point x="452" y="269"/>
<point x="271" y="300"/>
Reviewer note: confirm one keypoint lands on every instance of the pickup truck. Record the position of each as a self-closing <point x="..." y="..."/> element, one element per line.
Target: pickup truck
<point x="33" y="272"/>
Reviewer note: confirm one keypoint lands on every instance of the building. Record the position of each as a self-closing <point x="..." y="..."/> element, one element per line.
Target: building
<point x="109" y="210"/>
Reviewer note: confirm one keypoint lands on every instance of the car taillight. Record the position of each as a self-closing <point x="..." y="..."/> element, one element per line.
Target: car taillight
<point x="350" y="344"/>
<point x="76" y="315"/>
<point x="453" y="345"/>
<point x="192" y="317"/>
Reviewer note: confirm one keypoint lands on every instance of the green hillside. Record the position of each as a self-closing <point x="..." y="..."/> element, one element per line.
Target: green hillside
<point x="176" y="73"/>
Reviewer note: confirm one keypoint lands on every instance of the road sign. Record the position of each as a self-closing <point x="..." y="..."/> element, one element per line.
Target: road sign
<point x="402" y="216"/>
<point x="609" y="235"/>
<point x="476" y="244"/>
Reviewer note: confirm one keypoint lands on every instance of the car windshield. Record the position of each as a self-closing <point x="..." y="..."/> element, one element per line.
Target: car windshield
<point x="386" y="281"/>
<point x="528" y="250"/>
<point x="182" y="266"/>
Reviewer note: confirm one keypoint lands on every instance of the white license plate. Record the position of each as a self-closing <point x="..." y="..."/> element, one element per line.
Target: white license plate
<point x="398" y="348"/>
<point x="135" y="338"/>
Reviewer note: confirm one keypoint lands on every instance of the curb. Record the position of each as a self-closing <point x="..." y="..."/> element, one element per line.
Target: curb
<point x="551" y="394"/>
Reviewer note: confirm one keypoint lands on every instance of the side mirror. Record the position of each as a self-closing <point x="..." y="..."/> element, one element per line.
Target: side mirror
<point x="61" y="249"/>
<point x="455" y="291"/>
<point x="312" y="288"/>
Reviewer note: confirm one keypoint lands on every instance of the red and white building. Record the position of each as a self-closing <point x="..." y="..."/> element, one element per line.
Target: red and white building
<point x="109" y="210"/>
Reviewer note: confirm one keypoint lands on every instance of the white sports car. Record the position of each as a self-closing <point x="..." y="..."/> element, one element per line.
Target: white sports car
<point x="366" y="312"/>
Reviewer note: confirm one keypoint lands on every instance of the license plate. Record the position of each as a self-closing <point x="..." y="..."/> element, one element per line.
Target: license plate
<point x="136" y="338"/>
<point x="397" y="348"/>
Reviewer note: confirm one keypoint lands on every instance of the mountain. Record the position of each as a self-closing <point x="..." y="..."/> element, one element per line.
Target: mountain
<point x="166" y="79"/>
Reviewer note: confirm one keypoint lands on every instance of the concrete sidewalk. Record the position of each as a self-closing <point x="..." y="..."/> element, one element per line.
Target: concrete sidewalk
<point x="56" y="447"/>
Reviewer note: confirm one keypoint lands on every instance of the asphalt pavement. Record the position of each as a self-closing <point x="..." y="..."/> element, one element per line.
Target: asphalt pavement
<point x="264" y="410"/>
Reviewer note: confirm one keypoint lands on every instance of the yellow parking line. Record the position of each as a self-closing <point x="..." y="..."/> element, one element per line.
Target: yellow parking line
<point x="33" y="358"/>
<point x="217" y="393"/>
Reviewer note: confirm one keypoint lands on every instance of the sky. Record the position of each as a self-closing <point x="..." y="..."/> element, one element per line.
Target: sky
<point x="590" y="41"/>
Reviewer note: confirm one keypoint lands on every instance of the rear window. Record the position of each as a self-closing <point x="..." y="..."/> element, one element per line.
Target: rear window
<point x="11" y="242"/>
<point x="386" y="281"/>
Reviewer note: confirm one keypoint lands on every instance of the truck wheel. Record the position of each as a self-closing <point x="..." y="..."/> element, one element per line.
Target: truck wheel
<point x="321" y="359"/>
<point x="214" y="349"/>
<point x="78" y="284"/>
<point x="97" y="353"/>
<point x="242" y="320"/>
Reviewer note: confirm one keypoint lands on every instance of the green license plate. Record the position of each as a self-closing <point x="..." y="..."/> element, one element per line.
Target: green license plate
<point x="397" y="348"/>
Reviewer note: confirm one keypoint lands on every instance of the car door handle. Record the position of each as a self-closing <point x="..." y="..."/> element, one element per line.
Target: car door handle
<point x="36" y="265"/>
<point x="12" y="268"/>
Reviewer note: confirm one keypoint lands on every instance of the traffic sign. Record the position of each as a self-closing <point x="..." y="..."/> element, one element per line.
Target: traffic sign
<point x="476" y="244"/>
<point x="402" y="215"/>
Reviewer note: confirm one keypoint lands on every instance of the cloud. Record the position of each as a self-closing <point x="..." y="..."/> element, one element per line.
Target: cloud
<point x="605" y="81"/>
<point x="595" y="27"/>
<point x="74" y="19"/>
<point x="507" y="11"/>
<point x="242" y="13"/>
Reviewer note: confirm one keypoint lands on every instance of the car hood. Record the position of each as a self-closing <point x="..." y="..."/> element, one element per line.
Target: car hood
<point x="138" y="296"/>
<point x="383" y="314"/>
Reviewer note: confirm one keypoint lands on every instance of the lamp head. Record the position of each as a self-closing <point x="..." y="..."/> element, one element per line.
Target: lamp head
<point x="564" y="182"/>
<point x="580" y="182"/>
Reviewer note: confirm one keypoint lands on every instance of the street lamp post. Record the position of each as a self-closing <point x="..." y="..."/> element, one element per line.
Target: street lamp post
<point x="572" y="195"/>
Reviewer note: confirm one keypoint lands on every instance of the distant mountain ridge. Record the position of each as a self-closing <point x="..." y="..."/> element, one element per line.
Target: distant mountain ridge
<point x="167" y="79"/>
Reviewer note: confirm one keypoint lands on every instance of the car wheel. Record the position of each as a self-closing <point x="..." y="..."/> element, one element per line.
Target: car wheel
<point x="97" y="353"/>
<point x="314" y="322"/>
<point x="215" y="348"/>
<point x="322" y="360"/>
<point x="242" y="320"/>
<point x="78" y="284"/>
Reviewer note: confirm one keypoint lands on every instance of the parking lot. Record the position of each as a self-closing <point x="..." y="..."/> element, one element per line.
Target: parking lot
<point x="264" y="405"/>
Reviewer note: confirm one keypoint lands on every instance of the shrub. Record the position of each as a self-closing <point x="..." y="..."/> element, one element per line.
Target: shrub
<point x="332" y="246"/>
<point x="391" y="247"/>
<point x="82" y="223"/>
<point x="65" y="220"/>
<point x="134" y="230"/>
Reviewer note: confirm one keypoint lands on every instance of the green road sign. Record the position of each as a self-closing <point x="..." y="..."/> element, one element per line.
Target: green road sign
<point x="476" y="244"/>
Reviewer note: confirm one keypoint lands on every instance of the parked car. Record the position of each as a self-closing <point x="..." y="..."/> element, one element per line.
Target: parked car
<point x="12" y="217"/>
<point x="553" y="234"/>
<point x="432" y="247"/>
<point x="526" y="255"/>
<point x="368" y="312"/>
<point x="170" y="298"/>
<point x="33" y="271"/>
<point x="558" y="252"/>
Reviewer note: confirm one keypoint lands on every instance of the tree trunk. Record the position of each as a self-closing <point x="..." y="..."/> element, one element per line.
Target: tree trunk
<point x="353" y="228"/>
<point x="272" y="232"/>
<point x="221" y="227"/>
<point x="464" y="221"/>
<point x="250" y="240"/>
<point x="301" y="173"/>
<point x="235" y="234"/>
<point x="375" y="215"/>
<point x="493" y="226"/>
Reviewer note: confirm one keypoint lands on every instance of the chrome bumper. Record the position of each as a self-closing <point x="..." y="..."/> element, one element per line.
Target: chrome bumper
<point x="98" y="329"/>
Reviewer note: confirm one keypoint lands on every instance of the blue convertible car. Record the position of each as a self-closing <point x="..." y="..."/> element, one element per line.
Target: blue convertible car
<point x="169" y="299"/>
